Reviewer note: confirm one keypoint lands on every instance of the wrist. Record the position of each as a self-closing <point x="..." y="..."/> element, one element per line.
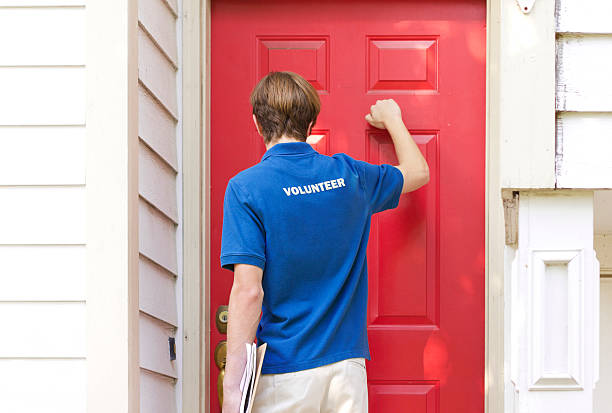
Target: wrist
<point x="231" y="387"/>
<point x="230" y="384"/>
<point x="393" y="122"/>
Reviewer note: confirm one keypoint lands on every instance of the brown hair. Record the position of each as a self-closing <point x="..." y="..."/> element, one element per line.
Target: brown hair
<point x="285" y="103"/>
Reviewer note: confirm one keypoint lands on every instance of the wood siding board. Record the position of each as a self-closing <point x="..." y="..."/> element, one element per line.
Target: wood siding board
<point x="154" y="348"/>
<point x="160" y="22"/>
<point x="48" y="155"/>
<point x="156" y="73"/>
<point x="157" y="292"/>
<point x="157" y="127"/>
<point x="157" y="182"/>
<point x="157" y="45"/>
<point x="584" y="64"/>
<point x="42" y="96"/>
<point x="172" y="5"/>
<point x="43" y="329"/>
<point x="579" y="16"/>
<point x="46" y="36"/>
<point x="43" y="385"/>
<point x="157" y="237"/>
<point x="47" y="273"/>
<point x="41" y="3"/>
<point x="585" y="140"/>
<point x="159" y="215"/>
<point x="42" y="215"/>
<point x="157" y="394"/>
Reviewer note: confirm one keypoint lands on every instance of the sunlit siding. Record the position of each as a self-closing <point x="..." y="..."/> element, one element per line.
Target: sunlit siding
<point x="42" y="206"/>
<point x="584" y="94"/>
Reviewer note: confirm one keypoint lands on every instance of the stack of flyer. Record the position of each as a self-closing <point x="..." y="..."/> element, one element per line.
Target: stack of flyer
<point x="250" y="377"/>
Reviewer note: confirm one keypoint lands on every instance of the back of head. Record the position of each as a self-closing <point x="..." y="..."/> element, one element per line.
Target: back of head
<point x="285" y="103"/>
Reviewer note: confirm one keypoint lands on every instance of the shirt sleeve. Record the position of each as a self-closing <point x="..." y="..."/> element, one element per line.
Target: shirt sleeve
<point x="382" y="184"/>
<point x="243" y="236"/>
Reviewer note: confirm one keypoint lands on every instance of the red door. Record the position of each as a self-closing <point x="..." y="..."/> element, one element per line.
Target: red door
<point x="426" y="257"/>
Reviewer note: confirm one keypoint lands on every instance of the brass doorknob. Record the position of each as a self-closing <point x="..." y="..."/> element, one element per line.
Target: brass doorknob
<point x="220" y="355"/>
<point x="221" y="319"/>
<point x="220" y="386"/>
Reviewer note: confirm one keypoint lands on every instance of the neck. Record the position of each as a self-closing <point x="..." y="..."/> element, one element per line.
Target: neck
<point x="282" y="139"/>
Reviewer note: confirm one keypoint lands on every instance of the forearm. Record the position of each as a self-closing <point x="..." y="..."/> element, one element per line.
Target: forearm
<point x="244" y="310"/>
<point x="411" y="161"/>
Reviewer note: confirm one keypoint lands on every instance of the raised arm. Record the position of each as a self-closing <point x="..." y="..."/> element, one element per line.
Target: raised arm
<point x="386" y="114"/>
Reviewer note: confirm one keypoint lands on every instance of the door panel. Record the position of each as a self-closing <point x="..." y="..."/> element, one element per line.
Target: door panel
<point x="426" y="257"/>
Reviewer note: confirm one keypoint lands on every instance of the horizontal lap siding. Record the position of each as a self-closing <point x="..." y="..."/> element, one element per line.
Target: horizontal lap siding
<point x="584" y="94"/>
<point x="57" y="152"/>
<point x="159" y="209"/>
<point x="157" y="393"/>
<point x="42" y="206"/>
<point x="43" y="385"/>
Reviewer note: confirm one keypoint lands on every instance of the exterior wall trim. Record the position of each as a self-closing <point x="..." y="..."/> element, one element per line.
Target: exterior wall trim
<point x="196" y="312"/>
<point x="112" y="207"/>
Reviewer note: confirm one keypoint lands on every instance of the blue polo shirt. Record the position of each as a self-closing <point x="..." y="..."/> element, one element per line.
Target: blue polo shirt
<point x="304" y="218"/>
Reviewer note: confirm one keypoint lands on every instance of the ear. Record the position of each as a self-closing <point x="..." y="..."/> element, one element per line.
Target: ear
<point x="257" y="125"/>
<point x="310" y="125"/>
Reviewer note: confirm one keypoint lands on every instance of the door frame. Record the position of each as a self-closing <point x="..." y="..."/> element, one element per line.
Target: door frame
<point x="503" y="158"/>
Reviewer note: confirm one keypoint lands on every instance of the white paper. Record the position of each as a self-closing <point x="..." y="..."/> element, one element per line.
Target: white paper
<point x="247" y="376"/>
<point x="251" y="386"/>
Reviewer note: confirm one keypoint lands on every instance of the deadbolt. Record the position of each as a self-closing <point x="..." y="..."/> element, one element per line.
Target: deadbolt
<point x="221" y="319"/>
<point x="221" y="354"/>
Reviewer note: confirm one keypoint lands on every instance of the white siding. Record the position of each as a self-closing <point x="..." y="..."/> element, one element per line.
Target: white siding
<point x="57" y="152"/>
<point x="43" y="385"/>
<point x="580" y="16"/>
<point x="42" y="206"/>
<point x="159" y="207"/>
<point x="58" y="45"/>
<point x="584" y="94"/>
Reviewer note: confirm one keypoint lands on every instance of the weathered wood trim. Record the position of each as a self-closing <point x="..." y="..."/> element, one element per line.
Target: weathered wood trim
<point x="527" y="84"/>
<point x="494" y="219"/>
<point x="510" y="199"/>
<point x="195" y="213"/>
<point x="112" y="207"/>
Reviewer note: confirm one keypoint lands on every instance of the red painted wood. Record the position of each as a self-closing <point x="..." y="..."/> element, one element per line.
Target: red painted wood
<point x="425" y="258"/>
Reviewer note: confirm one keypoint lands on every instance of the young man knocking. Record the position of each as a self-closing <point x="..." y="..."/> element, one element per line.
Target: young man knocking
<point x="295" y="231"/>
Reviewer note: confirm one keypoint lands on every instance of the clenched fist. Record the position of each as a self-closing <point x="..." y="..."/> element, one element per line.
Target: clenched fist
<point x="383" y="112"/>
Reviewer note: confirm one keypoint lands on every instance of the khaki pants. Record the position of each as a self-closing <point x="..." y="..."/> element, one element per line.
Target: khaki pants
<point x="339" y="387"/>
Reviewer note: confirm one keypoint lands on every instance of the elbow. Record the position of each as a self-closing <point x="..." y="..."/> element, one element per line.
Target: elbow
<point x="416" y="180"/>
<point x="425" y="178"/>
<point x="251" y="293"/>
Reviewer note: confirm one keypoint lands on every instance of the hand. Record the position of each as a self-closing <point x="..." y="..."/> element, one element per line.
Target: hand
<point x="383" y="112"/>
<point x="231" y="400"/>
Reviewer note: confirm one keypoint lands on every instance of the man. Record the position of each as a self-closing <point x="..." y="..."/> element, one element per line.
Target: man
<point x="295" y="231"/>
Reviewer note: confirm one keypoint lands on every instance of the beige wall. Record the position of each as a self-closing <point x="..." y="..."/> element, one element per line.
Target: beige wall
<point x="42" y="206"/>
<point x="159" y="206"/>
